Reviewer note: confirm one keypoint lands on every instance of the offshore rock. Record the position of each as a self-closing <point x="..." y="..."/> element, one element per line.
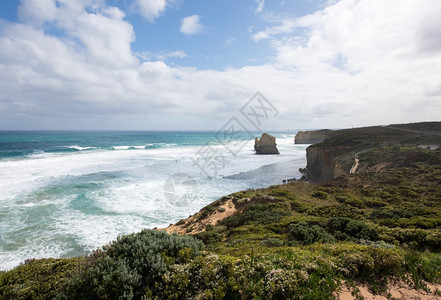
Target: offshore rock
<point x="266" y="144"/>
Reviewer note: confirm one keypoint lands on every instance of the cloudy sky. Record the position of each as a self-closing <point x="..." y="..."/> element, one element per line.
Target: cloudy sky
<point x="192" y="64"/>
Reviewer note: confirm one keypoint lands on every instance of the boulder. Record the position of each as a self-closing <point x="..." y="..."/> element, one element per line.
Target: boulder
<point x="266" y="145"/>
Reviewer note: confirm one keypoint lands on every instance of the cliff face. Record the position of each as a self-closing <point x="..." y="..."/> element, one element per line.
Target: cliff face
<point x="312" y="137"/>
<point x="367" y="149"/>
<point x="324" y="165"/>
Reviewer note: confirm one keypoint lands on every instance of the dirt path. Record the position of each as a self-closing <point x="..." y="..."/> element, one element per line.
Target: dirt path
<point x="355" y="166"/>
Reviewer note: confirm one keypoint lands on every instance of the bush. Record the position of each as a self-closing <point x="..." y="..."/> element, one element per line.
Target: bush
<point x="337" y="211"/>
<point x="280" y="193"/>
<point x="320" y="195"/>
<point x="209" y="237"/>
<point x="306" y="235"/>
<point x="422" y="267"/>
<point x="37" y="278"/>
<point x="390" y="214"/>
<point x="264" y="277"/>
<point x="272" y="242"/>
<point x="344" y="229"/>
<point x="414" y="238"/>
<point x="372" y="264"/>
<point x="374" y="203"/>
<point x="131" y="265"/>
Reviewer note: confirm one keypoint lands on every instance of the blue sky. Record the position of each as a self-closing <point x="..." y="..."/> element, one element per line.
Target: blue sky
<point x="181" y="64"/>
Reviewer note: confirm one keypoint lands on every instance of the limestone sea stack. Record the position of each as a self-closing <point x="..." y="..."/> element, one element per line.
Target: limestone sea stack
<point x="312" y="136"/>
<point x="266" y="145"/>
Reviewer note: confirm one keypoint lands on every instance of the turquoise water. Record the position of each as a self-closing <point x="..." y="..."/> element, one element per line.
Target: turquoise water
<point x="63" y="194"/>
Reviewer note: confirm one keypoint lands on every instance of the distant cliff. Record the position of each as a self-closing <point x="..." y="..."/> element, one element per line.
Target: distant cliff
<point x="312" y="137"/>
<point x="368" y="149"/>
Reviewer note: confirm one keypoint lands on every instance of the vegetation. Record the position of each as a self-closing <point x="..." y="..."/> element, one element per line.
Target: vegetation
<point x="297" y="240"/>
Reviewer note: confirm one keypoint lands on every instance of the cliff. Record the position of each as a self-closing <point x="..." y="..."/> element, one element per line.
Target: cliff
<point x="266" y="144"/>
<point x="324" y="165"/>
<point x="368" y="149"/>
<point x="312" y="137"/>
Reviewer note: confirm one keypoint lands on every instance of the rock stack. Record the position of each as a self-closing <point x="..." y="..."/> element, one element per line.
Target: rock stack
<point x="266" y="145"/>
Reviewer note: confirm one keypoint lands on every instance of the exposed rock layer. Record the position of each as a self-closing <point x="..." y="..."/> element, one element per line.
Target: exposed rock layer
<point x="312" y="137"/>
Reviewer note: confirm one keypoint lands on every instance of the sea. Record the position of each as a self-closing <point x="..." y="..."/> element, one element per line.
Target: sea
<point x="66" y="193"/>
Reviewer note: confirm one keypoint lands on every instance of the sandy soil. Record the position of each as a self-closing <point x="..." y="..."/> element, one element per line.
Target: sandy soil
<point x="199" y="226"/>
<point x="396" y="290"/>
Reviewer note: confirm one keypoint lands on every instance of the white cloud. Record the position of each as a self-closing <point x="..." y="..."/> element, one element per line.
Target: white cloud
<point x="353" y="63"/>
<point x="191" y="25"/>
<point x="146" y="55"/>
<point x="284" y="26"/>
<point x="151" y="9"/>
<point x="230" y="41"/>
<point x="37" y="12"/>
<point x="366" y="53"/>
<point x="260" y="5"/>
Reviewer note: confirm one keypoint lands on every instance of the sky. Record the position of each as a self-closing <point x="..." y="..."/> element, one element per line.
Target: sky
<point x="193" y="64"/>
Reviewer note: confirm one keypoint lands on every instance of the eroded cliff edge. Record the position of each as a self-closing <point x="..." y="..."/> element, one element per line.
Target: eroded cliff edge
<point x="367" y="149"/>
<point x="312" y="136"/>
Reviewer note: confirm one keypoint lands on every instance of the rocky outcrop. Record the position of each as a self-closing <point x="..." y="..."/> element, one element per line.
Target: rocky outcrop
<point x="324" y="164"/>
<point x="312" y="137"/>
<point x="266" y="145"/>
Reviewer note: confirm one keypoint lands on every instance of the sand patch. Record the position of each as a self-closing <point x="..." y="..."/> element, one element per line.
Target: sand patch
<point x="395" y="290"/>
<point x="197" y="223"/>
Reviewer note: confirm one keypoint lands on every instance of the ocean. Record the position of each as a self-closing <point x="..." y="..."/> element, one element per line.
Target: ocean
<point x="65" y="193"/>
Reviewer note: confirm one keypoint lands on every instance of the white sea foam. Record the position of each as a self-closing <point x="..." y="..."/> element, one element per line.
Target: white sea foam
<point x="81" y="148"/>
<point x="129" y="200"/>
<point x="127" y="147"/>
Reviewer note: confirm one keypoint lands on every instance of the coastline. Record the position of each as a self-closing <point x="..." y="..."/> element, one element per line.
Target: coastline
<point x="372" y="232"/>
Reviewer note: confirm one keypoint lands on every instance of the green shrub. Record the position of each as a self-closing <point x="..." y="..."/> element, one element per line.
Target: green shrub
<point x="345" y="229"/>
<point x="213" y="276"/>
<point x="374" y="203"/>
<point x="413" y="238"/>
<point x="280" y="192"/>
<point x="372" y="264"/>
<point x="338" y="211"/>
<point x="37" y="278"/>
<point x="131" y="265"/>
<point x="272" y="242"/>
<point x="209" y="237"/>
<point x="390" y="214"/>
<point x="320" y="195"/>
<point x="415" y="222"/>
<point x="306" y="235"/>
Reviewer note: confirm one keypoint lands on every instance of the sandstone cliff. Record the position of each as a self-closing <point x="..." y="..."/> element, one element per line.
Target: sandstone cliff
<point x="312" y="137"/>
<point x="324" y="165"/>
<point x="266" y="144"/>
<point x="368" y="149"/>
